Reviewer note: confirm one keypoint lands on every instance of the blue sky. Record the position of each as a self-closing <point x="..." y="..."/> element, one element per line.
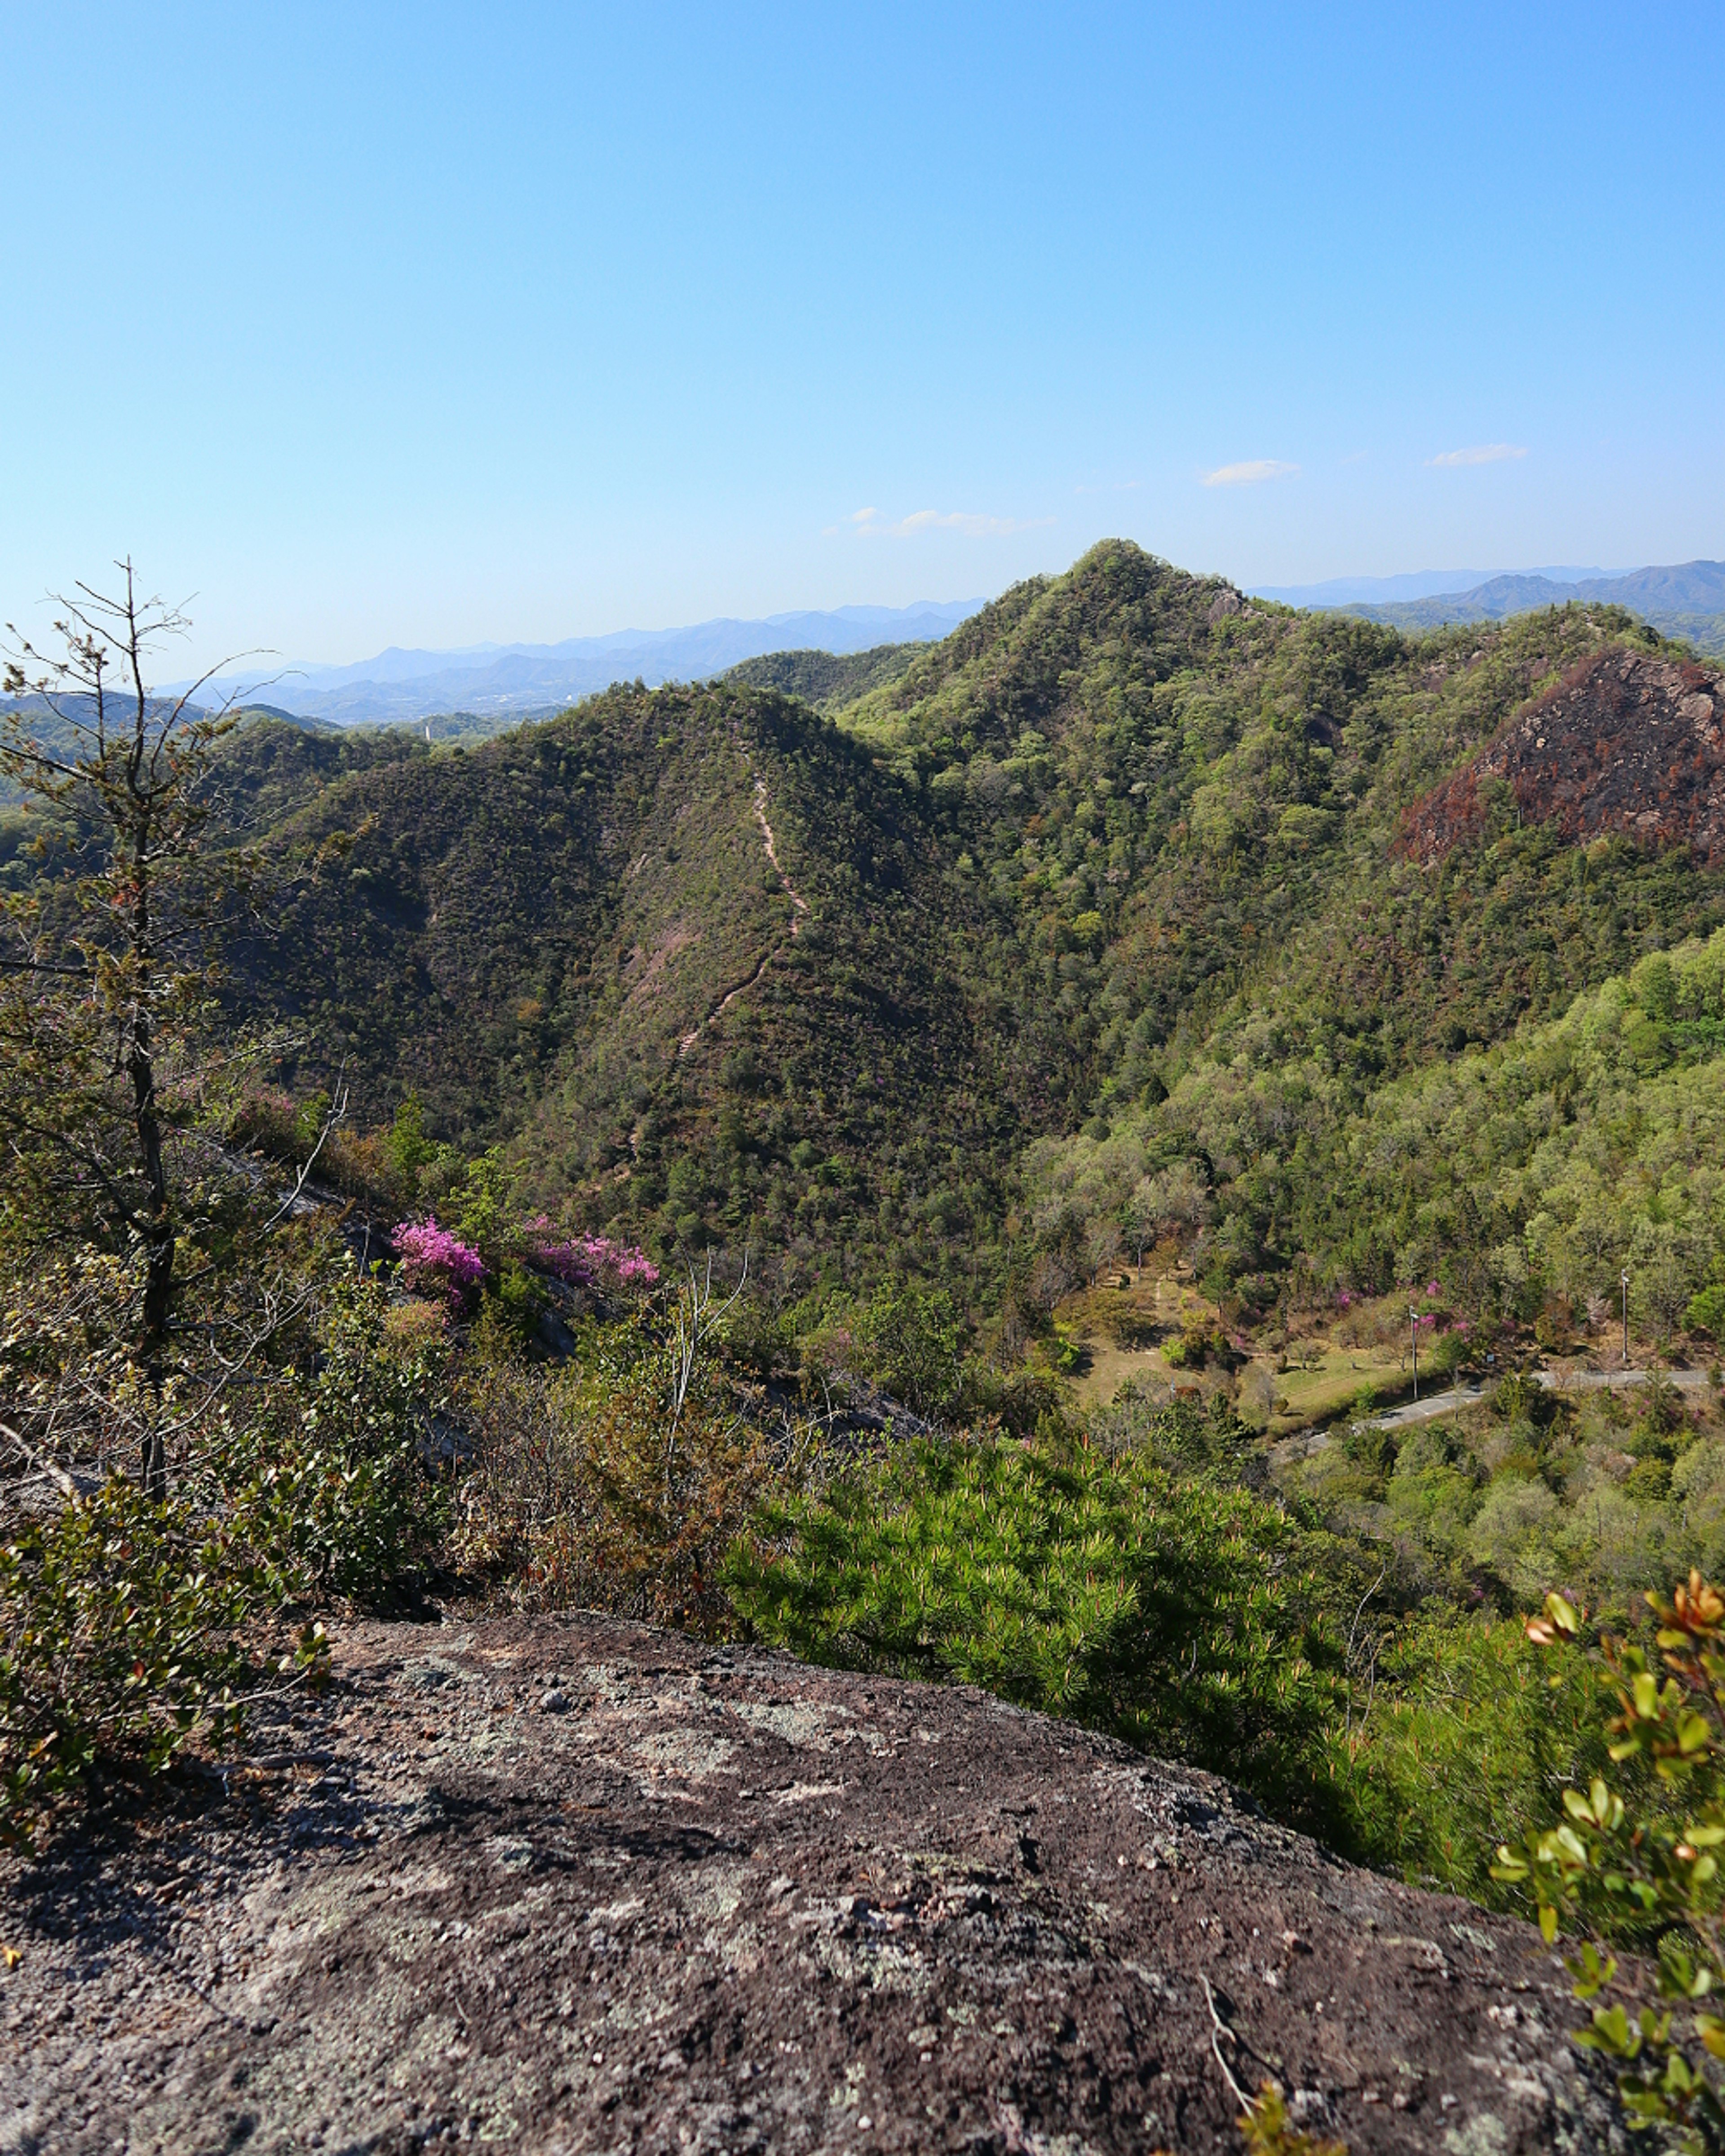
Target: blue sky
<point x="431" y="325"/>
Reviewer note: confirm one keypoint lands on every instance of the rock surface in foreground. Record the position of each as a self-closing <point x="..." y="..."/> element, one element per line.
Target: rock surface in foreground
<point x="573" y="1885"/>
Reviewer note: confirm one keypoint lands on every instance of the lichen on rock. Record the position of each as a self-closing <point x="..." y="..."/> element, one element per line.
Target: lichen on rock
<point x="716" y="1900"/>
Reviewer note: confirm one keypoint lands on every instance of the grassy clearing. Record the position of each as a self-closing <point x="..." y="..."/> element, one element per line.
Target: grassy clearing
<point x="1125" y="1330"/>
<point x="1327" y="1384"/>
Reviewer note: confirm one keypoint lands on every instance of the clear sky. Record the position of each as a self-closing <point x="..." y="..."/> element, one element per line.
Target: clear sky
<point x="435" y="324"/>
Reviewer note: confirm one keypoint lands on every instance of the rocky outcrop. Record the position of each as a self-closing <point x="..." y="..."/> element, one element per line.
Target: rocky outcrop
<point x="1626" y="743"/>
<point x="571" y="1885"/>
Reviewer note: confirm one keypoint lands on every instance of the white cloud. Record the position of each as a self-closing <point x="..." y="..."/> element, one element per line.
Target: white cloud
<point x="867" y="521"/>
<point x="1249" y="475"/>
<point x="1485" y="453"/>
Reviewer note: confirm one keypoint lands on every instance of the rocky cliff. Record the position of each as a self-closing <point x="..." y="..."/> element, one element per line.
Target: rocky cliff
<point x="1626" y="743"/>
<point x="574" y="1885"/>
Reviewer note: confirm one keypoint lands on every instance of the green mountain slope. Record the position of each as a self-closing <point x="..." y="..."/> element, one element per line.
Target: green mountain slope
<point x="1121" y="830"/>
<point x="827" y="680"/>
<point x="575" y="936"/>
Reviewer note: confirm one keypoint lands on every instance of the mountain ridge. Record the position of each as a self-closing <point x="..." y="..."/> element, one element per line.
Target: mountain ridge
<point x="401" y="685"/>
<point x="1686" y="599"/>
<point x="1040" y="863"/>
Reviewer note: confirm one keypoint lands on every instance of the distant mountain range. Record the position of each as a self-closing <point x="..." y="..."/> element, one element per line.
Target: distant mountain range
<point x="490" y="680"/>
<point x="1687" y="600"/>
<point x="1388" y="591"/>
<point x="499" y="681"/>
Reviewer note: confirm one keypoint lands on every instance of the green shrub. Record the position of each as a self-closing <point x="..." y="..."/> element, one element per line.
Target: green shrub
<point x="129" y="1626"/>
<point x="1634" y="1860"/>
<point x="119" y="1643"/>
<point x="518" y="1298"/>
<point x="1446" y="1355"/>
<point x="327" y="1482"/>
<point x="1193" y="1349"/>
<point x="1173" y="1612"/>
<point x="910" y="1340"/>
<point x="1458" y="1736"/>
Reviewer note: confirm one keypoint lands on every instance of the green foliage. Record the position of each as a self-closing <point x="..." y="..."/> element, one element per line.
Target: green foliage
<point x="328" y="1480"/>
<point x="1169" y="1610"/>
<point x="407" y="1151"/>
<point x="1533" y="1490"/>
<point x="910" y="1340"/>
<point x="118" y="1641"/>
<point x="130" y="1626"/>
<point x="1634" y="1859"/>
<point x="481" y="1204"/>
<point x="519" y="1297"/>
<point x="826" y="680"/>
<point x="1456" y="1737"/>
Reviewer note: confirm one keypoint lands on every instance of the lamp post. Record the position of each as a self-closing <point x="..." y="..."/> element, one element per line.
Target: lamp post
<point x="1625" y="1277"/>
<point x="1414" y="1344"/>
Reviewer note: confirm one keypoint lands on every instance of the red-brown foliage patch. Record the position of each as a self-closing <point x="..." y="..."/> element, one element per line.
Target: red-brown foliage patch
<point x="1626" y="743"/>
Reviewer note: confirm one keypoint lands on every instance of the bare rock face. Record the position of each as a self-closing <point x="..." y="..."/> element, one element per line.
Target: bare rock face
<point x="570" y="1885"/>
<point x="1626" y="743"/>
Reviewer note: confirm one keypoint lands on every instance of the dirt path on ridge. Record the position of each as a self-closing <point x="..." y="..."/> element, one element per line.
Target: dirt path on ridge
<point x="799" y="907"/>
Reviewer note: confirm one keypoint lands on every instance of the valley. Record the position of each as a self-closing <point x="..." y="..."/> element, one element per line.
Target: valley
<point x="939" y="1161"/>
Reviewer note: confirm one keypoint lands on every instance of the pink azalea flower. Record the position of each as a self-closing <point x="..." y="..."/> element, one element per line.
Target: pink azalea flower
<point x="589" y="1259"/>
<point x="433" y="1261"/>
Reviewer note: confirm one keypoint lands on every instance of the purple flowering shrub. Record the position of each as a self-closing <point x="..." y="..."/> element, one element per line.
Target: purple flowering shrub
<point x="589" y="1261"/>
<point x="268" y="1119"/>
<point x="433" y="1262"/>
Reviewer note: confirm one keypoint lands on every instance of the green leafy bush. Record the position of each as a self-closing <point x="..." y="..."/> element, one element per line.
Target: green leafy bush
<point x="1634" y="1861"/>
<point x="120" y="1642"/>
<point x="327" y="1482"/>
<point x="130" y="1625"/>
<point x="1457" y="1733"/>
<point x="910" y="1340"/>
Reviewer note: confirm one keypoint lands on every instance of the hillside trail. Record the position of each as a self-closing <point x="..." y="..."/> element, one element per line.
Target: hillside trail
<point x="799" y="908"/>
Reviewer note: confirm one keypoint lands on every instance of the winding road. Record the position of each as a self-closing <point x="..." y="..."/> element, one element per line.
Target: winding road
<point x="1457" y="1397"/>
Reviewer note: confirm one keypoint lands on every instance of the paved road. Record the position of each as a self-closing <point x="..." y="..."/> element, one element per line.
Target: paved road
<point x="1435" y="1404"/>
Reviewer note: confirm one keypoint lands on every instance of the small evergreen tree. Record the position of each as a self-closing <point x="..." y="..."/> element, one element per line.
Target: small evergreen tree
<point x="103" y="976"/>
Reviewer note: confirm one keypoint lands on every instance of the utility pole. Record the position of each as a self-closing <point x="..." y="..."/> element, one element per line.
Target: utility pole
<point x="1413" y="1342"/>
<point x="1626" y="1316"/>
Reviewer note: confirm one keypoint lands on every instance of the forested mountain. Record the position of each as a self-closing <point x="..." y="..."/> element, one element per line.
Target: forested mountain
<point x="1685" y="601"/>
<point x="735" y="1086"/>
<point x="1121" y="828"/>
<point x="1131" y="893"/>
<point x="827" y="680"/>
